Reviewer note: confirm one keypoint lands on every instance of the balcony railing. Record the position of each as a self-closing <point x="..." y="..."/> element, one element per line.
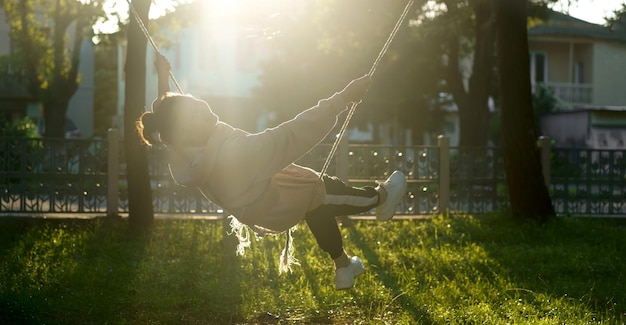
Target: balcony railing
<point x="572" y="93"/>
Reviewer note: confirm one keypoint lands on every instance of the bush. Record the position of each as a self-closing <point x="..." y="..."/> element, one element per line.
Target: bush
<point x="12" y="135"/>
<point x="24" y="127"/>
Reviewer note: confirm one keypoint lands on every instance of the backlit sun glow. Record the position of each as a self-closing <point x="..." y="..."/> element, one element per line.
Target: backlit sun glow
<point x="214" y="10"/>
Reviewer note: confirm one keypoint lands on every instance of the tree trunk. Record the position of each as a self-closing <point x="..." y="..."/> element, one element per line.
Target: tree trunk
<point x="473" y="101"/>
<point x="475" y="125"/>
<point x="528" y="194"/>
<point x="63" y="84"/>
<point x="33" y="85"/>
<point x="54" y="114"/>
<point x="141" y="213"/>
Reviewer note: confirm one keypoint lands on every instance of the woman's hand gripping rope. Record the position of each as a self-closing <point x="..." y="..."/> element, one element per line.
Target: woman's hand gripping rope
<point x="355" y="91"/>
<point x="163" y="68"/>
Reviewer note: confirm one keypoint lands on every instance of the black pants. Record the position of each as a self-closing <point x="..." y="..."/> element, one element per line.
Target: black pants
<point x="341" y="200"/>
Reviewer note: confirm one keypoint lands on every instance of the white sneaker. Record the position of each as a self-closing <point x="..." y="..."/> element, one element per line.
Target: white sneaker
<point x="395" y="186"/>
<point x="344" y="276"/>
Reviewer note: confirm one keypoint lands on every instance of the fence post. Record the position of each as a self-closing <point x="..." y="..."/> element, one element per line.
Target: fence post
<point x="544" y="144"/>
<point x="444" y="173"/>
<point x="113" y="172"/>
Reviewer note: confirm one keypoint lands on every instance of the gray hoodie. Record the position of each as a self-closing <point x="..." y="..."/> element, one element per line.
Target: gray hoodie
<point x="252" y="176"/>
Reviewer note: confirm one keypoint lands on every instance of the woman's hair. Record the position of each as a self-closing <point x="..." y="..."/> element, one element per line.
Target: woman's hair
<point x="158" y="125"/>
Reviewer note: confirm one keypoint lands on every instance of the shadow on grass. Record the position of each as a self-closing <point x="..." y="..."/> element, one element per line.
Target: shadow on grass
<point x="388" y="279"/>
<point x="67" y="271"/>
<point x="15" y="308"/>
<point x="97" y="271"/>
<point x="575" y="260"/>
<point x="459" y="269"/>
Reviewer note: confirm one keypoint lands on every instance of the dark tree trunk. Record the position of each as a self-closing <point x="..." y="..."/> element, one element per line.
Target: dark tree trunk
<point x="63" y="84"/>
<point x="54" y="114"/>
<point x="475" y="122"/>
<point x="528" y="193"/>
<point x="473" y="101"/>
<point x="33" y="85"/>
<point x="141" y="213"/>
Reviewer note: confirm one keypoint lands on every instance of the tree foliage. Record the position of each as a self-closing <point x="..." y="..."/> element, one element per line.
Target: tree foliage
<point x="332" y="42"/>
<point x="617" y="21"/>
<point x="47" y="37"/>
<point x="106" y="89"/>
<point x="465" y="35"/>
<point x="106" y="69"/>
<point x="446" y="52"/>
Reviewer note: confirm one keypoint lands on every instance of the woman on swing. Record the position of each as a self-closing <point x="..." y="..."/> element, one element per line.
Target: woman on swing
<point x="253" y="177"/>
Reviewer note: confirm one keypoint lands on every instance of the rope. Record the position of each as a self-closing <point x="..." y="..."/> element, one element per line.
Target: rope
<point x="382" y="52"/>
<point x="143" y="28"/>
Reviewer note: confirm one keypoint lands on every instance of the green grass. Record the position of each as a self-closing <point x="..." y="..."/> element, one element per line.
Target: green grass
<point x="445" y="270"/>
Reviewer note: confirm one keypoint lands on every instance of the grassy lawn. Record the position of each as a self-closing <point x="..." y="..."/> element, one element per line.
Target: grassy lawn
<point x="445" y="270"/>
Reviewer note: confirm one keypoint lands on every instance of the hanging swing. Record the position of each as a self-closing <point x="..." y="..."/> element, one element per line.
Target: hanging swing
<point x="286" y="258"/>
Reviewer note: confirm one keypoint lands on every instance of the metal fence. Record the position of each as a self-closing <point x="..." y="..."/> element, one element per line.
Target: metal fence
<point x="38" y="175"/>
<point x="41" y="176"/>
<point x="588" y="182"/>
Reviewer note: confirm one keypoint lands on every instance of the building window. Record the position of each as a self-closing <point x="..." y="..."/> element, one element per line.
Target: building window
<point x="579" y="75"/>
<point x="538" y="67"/>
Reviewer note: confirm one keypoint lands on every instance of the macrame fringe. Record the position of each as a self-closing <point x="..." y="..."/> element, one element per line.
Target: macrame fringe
<point x="286" y="257"/>
<point x="242" y="232"/>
